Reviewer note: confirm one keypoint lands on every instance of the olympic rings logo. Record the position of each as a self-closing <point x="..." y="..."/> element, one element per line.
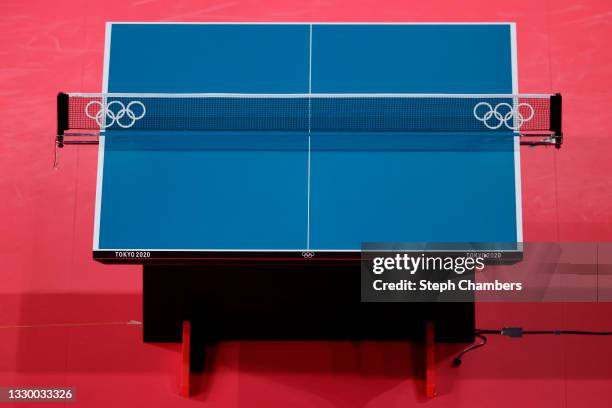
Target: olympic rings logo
<point x="114" y="112"/>
<point x="307" y="254"/>
<point x="504" y="114"/>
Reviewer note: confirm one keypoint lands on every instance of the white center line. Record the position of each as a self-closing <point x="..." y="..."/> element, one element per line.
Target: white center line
<point x="309" y="124"/>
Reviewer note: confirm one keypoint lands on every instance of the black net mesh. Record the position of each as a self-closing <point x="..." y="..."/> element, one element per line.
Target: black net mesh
<point x="317" y="113"/>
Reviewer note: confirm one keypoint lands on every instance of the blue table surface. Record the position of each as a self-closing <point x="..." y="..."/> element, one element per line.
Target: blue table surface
<point x="298" y="190"/>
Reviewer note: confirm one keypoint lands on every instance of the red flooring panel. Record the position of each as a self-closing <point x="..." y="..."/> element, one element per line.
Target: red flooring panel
<point x="47" y="276"/>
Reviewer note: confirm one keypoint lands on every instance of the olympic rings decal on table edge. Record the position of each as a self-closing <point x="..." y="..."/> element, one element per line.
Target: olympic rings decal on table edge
<point x="513" y="119"/>
<point x="105" y="113"/>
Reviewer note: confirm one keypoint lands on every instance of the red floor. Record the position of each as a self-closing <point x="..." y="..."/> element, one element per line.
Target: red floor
<point x="47" y="275"/>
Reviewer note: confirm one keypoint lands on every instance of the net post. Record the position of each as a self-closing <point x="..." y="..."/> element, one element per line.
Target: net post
<point x="555" y="119"/>
<point x="62" y="117"/>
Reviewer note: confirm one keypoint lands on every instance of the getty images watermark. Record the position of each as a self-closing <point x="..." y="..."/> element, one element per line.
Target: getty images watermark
<point x="37" y="394"/>
<point x="468" y="272"/>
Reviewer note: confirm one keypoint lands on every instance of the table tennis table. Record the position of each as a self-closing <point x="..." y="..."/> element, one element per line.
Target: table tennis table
<point x="279" y="195"/>
<point x="231" y="222"/>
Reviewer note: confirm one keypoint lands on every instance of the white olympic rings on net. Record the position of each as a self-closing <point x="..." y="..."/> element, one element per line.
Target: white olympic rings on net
<point x="513" y="118"/>
<point x="106" y="116"/>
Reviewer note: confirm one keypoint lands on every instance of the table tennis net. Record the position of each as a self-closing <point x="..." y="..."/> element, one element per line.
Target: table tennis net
<point x="310" y="112"/>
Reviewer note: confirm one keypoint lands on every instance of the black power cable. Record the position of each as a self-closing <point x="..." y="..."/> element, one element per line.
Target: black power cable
<point x="519" y="332"/>
<point x="457" y="359"/>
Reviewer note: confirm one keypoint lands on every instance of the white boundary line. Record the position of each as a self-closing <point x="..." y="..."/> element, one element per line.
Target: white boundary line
<point x="100" y="173"/>
<point x="517" y="143"/>
<point x="306" y="250"/>
<point x="105" y="74"/>
<point x="304" y="95"/>
<point x="313" y="22"/>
